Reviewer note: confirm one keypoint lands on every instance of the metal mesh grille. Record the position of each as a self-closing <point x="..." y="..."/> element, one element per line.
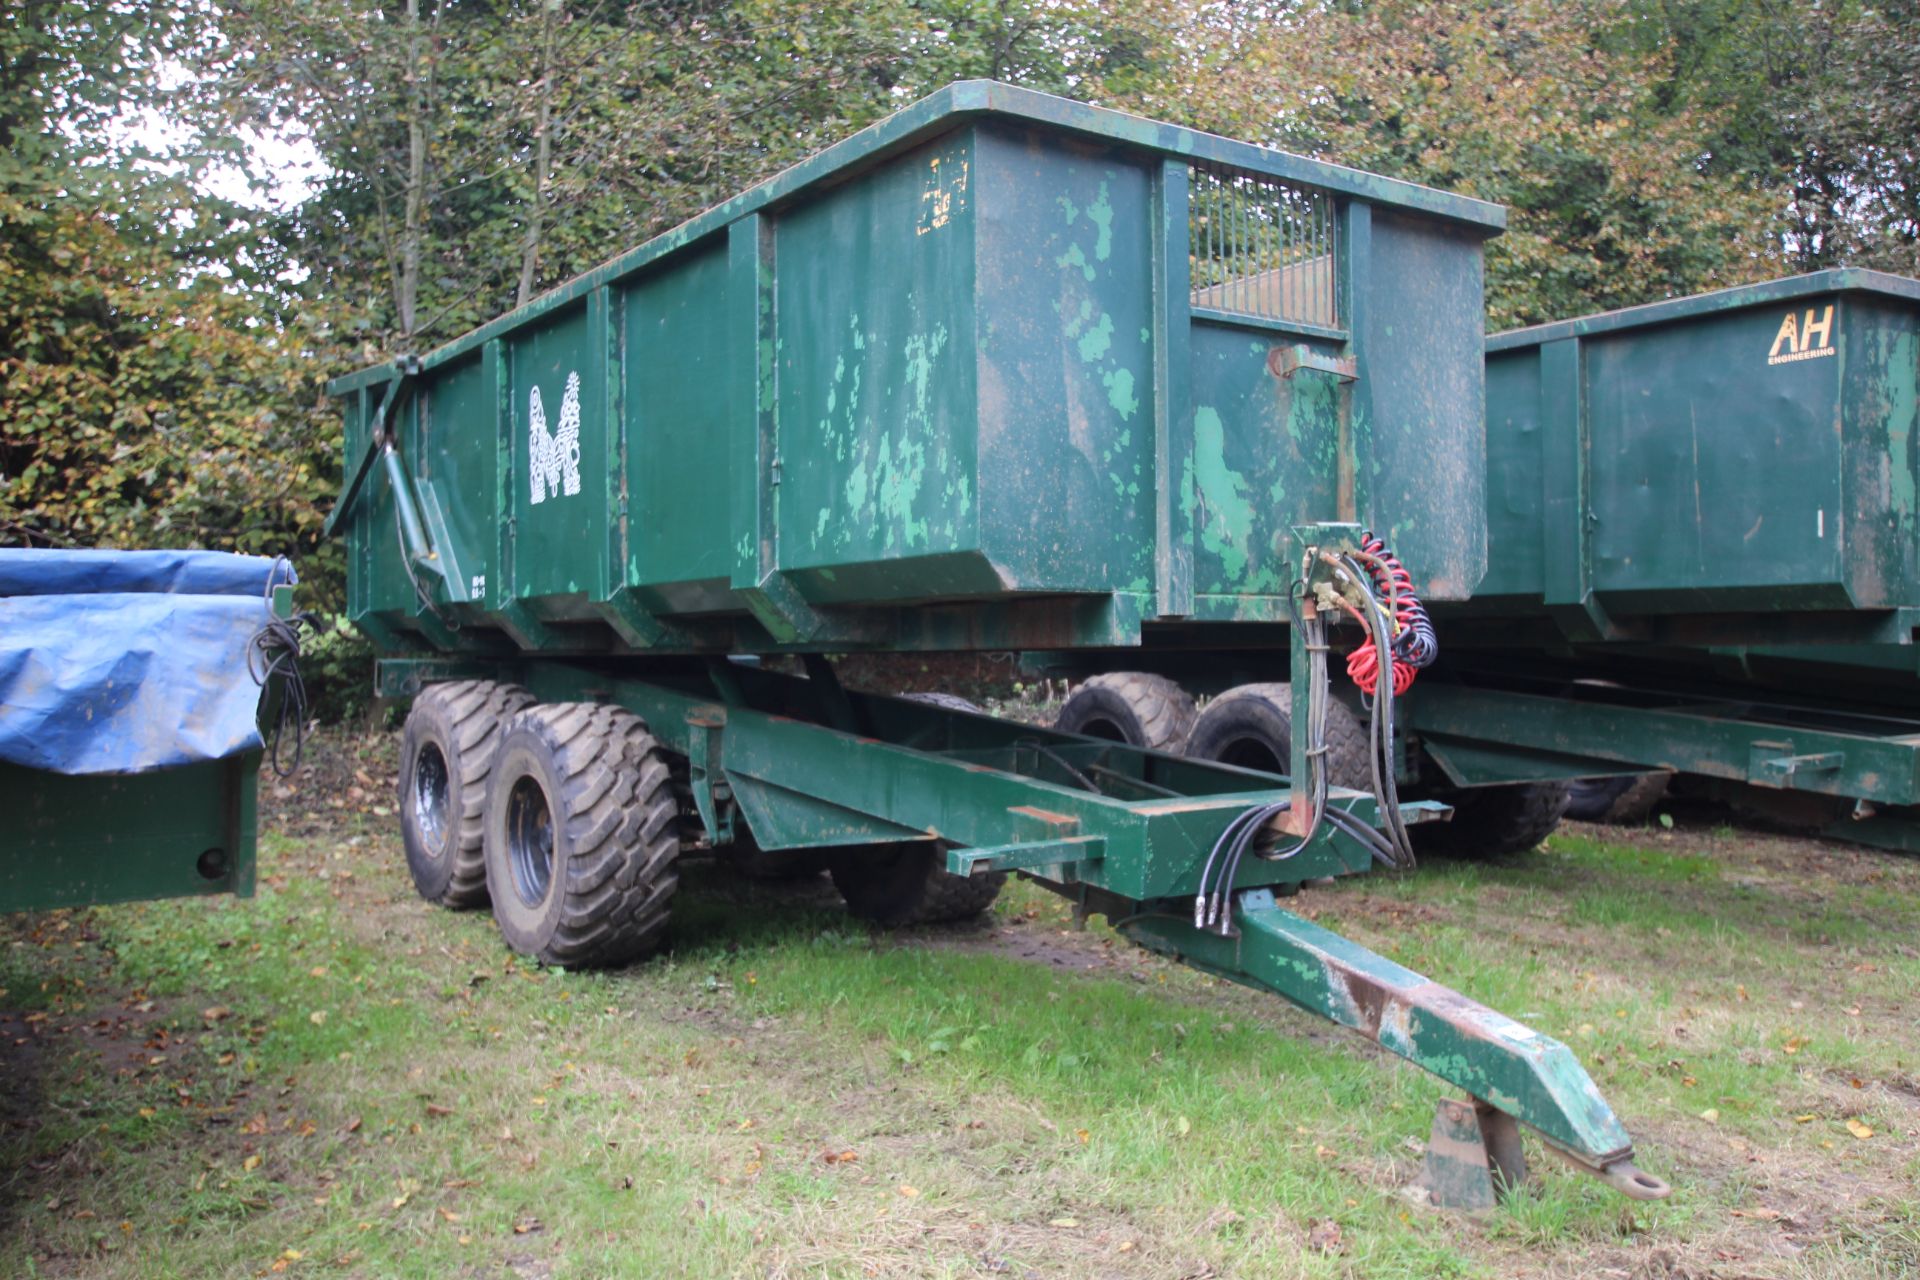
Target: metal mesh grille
<point x="1262" y="247"/>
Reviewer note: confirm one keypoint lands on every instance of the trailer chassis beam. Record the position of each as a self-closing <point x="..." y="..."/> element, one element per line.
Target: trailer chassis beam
<point x="1728" y="739"/>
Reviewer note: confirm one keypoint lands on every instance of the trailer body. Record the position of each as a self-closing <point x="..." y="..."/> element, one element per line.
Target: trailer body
<point x="1003" y="371"/>
<point x="189" y="830"/>
<point x="130" y="722"/>
<point x="1746" y="458"/>
<point x="1702" y="555"/>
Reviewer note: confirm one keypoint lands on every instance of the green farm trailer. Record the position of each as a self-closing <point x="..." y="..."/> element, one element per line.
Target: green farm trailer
<point x="134" y="688"/>
<point x="76" y="841"/>
<point x="1702" y="556"/>
<point x="1001" y="372"/>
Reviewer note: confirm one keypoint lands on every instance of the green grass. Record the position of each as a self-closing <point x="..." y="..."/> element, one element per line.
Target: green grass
<point x="352" y="1083"/>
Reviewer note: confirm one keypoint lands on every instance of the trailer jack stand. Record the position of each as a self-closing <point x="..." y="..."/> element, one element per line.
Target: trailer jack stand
<point x="1474" y="1157"/>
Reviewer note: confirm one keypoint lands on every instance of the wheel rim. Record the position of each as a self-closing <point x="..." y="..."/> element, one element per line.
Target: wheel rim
<point x="530" y="840"/>
<point x="431" y="795"/>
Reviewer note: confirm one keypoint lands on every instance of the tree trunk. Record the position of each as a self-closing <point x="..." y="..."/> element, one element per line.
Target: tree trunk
<point x="543" y="162"/>
<point x="406" y="287"/>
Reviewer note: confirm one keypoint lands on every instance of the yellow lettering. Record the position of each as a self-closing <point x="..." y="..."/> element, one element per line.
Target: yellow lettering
<point x="1789" y="334"/>
<point x="1823" y="326"/>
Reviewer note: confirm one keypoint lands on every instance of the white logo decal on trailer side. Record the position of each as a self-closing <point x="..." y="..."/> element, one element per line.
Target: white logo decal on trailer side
<point x="553" y="461"/>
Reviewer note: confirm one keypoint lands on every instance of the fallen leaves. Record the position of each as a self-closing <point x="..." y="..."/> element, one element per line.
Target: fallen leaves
<point x="1324" y="1237"/>
<point x="1859" y="1128"/>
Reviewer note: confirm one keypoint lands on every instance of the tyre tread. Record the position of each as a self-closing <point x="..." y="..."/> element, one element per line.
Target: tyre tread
<point x="1164" y="710"/>
<point x="474" y="714"/>
<point x="622" y="829"/>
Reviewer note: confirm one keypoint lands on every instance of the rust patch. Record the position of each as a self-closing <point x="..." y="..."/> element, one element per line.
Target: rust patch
<point x="1052" y="821"/>
<point x="1197" y="804"/>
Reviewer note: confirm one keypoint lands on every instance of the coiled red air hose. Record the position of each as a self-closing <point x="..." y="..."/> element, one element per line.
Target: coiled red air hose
<point x="1414" y="643"/>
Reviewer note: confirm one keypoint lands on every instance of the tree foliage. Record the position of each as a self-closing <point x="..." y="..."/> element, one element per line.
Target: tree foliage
<point x="156" y="386"/>
<point x="1814" y="106"/>
<point x="591" y="125"/>
<point x="161" y="351"/>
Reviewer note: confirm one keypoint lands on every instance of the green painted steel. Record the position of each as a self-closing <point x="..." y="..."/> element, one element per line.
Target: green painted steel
<point x="1530" y="1076"/>
<point x="1703" y="553"/>
<point x="901" y="770"/>
<point x="1768" y="743"/>
<point x="1751" y="451"/>
<point x="1120" y="831"/>
<point x="83" y="840"/>
<point x="983" y="375"/>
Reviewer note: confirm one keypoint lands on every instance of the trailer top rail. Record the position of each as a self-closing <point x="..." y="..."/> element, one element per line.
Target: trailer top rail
<point x="940" y="111"/>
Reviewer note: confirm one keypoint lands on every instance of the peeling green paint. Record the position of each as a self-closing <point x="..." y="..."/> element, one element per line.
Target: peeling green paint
<point x="1229" y="523"/>
<point x="900" y="479"/>
<point x="1119" y="384"/>
<point x="1903" y="407"/>
<point x="1078" y="322"/>
<point x="857" y="487"/>
<point x="766" y="376"/>
<point x="922" y="350"/>
<point x="1101" y="215"/>
<point x="1098" y="340"/>
<point x="1075" y="256"/>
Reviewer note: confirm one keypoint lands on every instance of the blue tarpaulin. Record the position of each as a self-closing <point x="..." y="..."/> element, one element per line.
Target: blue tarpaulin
<point x="122" y="661"/>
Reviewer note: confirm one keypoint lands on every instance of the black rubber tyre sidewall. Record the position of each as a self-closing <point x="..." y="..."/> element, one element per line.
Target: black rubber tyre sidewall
<point x="427" y="725"/>
<point x="1494" y="822"/>
<point x="464" y="720"/>
<point x="1590" y="799"/>
<point x="610" y="795"/>
<point x="527" y="928"/>
<point x="883" y="888"/>
<point x="1258" y="710"/>
<point x="1132" y="703"/>
<point x="910" y="884"/>
<point x="1245" y="714"/>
